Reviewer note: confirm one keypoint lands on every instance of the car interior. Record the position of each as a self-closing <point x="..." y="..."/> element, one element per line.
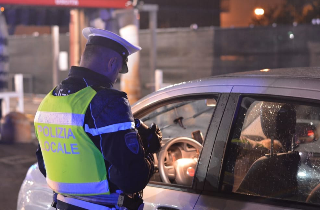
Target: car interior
<point x="183" y="125"/>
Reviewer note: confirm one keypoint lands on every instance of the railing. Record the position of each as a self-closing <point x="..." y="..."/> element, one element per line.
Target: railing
<point x="26" y="78"/>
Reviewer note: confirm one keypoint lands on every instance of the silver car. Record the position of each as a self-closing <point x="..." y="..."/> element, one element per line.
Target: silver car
<point x="239" y="141"/>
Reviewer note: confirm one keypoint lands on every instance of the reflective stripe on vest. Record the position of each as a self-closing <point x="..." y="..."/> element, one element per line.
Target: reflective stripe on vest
<point x="74" y="165"/>
<point x="83" y="204"/>
<point x="81" y="188"/>
<point x="109" y="128"/>
<point x="59" y="118"/>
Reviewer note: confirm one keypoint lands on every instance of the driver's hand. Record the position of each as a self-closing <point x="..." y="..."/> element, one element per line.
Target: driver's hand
<point x="151" y="137"/>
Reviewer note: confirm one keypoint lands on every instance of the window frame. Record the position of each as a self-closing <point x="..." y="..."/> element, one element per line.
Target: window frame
<point x="201" y="170"/>
<point x="229" y="120"/>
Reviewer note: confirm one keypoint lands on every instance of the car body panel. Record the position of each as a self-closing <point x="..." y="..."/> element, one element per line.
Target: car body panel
<point x="34" y="193"/>
<point x="298" y="92"/>
<point x="207" y="202"/>
<point x="215" y="166"/>
<point x="274" y="82"/>
<point x="155" y="198"/>
<point x="179" y="90"/>
<point x="206" y="152"/>
<point x="264" y="84"/>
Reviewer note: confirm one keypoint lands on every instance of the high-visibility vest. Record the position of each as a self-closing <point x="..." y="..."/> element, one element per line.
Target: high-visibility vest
<point x="74" y="165"/>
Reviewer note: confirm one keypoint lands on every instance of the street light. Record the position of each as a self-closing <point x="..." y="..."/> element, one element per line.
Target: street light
<point x="259" y="11"/>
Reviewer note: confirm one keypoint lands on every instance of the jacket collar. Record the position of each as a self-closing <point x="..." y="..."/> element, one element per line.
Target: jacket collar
<point x="90" y="77"/>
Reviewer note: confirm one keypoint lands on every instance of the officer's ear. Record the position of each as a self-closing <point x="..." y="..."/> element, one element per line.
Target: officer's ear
<point x="112" y="65"/>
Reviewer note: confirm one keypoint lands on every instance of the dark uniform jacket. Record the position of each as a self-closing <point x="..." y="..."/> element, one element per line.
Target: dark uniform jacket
<point x="128" y="169"/>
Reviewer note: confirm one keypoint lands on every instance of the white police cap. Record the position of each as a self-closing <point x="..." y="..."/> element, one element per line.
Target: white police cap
<point x="110" y="40"/>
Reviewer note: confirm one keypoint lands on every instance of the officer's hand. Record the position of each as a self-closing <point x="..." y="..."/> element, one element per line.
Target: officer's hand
<point x="151" y="136"/>
<point x="154" y="140"/>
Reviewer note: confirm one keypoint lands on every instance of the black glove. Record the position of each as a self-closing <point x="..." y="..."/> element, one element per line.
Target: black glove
<point x="151" y="136"/>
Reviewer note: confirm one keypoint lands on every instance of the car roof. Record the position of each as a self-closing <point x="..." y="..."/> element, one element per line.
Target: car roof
<point x="298" y="72"/>
<point x="304" y="78"/>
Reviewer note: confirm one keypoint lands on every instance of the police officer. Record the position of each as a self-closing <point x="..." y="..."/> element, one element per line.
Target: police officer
<point x="92" y="151"/>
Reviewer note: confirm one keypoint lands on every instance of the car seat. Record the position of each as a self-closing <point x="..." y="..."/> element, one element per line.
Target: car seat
<point x="278" y="121"/>
<point x="274" y="175"/>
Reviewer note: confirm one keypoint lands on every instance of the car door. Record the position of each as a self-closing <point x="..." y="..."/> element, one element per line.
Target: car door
<point x="182" y="117"/>
<point x="266" y="154"/>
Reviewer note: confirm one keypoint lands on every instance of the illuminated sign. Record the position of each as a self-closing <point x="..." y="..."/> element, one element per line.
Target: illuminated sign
<point x="68" y="3"/>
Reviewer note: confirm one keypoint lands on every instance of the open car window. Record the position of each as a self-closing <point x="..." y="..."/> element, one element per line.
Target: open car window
<point x="274" y="151"/>
<point x="182" y="118"/>
<point x="183" y="125"/>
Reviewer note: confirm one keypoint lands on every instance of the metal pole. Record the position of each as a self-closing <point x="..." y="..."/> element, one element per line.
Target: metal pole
<point x="158" y="79"/>
<point x="130" y="82"/>
<point x="153" y="41"/>
<point x="4" y="53"/>
<point x="152" y="9"/>
<point x="55" y="54"/>
<point x="74" y="38"/>
<point x="82" y="24"/>
<point x="18" y="83"/>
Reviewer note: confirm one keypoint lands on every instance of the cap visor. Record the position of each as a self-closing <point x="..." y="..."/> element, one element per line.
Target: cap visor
<point x="124" y="69"/>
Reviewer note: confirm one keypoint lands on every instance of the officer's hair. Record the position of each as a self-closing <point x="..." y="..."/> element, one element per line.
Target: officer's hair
<point x="94" y="51"/>
<point x="97" y="57"/>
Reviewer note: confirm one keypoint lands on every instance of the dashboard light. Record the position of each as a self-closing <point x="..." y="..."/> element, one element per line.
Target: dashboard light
<point x="191" y="171"/>
<point x="310" y="133"/>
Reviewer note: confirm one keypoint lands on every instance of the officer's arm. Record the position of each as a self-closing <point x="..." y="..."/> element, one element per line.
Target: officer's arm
<point x="130" y="168"/>
<point x="41" y="165"/>
<point x="40" y="161"/>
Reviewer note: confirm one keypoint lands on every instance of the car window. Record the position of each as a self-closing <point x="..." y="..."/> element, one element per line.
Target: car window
<point x="186" y="124"/>
<point x="274" y="151"/>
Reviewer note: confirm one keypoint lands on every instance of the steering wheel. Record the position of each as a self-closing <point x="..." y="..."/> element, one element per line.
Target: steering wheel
<point x="181" y="165"/>
<point x="314" y="195"/>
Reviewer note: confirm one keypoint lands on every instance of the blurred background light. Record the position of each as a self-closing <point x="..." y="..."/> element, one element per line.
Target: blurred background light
<point x="259" y="11"/>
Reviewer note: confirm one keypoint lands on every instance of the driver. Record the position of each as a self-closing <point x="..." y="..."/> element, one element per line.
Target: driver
<point x="89" y="149"/>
